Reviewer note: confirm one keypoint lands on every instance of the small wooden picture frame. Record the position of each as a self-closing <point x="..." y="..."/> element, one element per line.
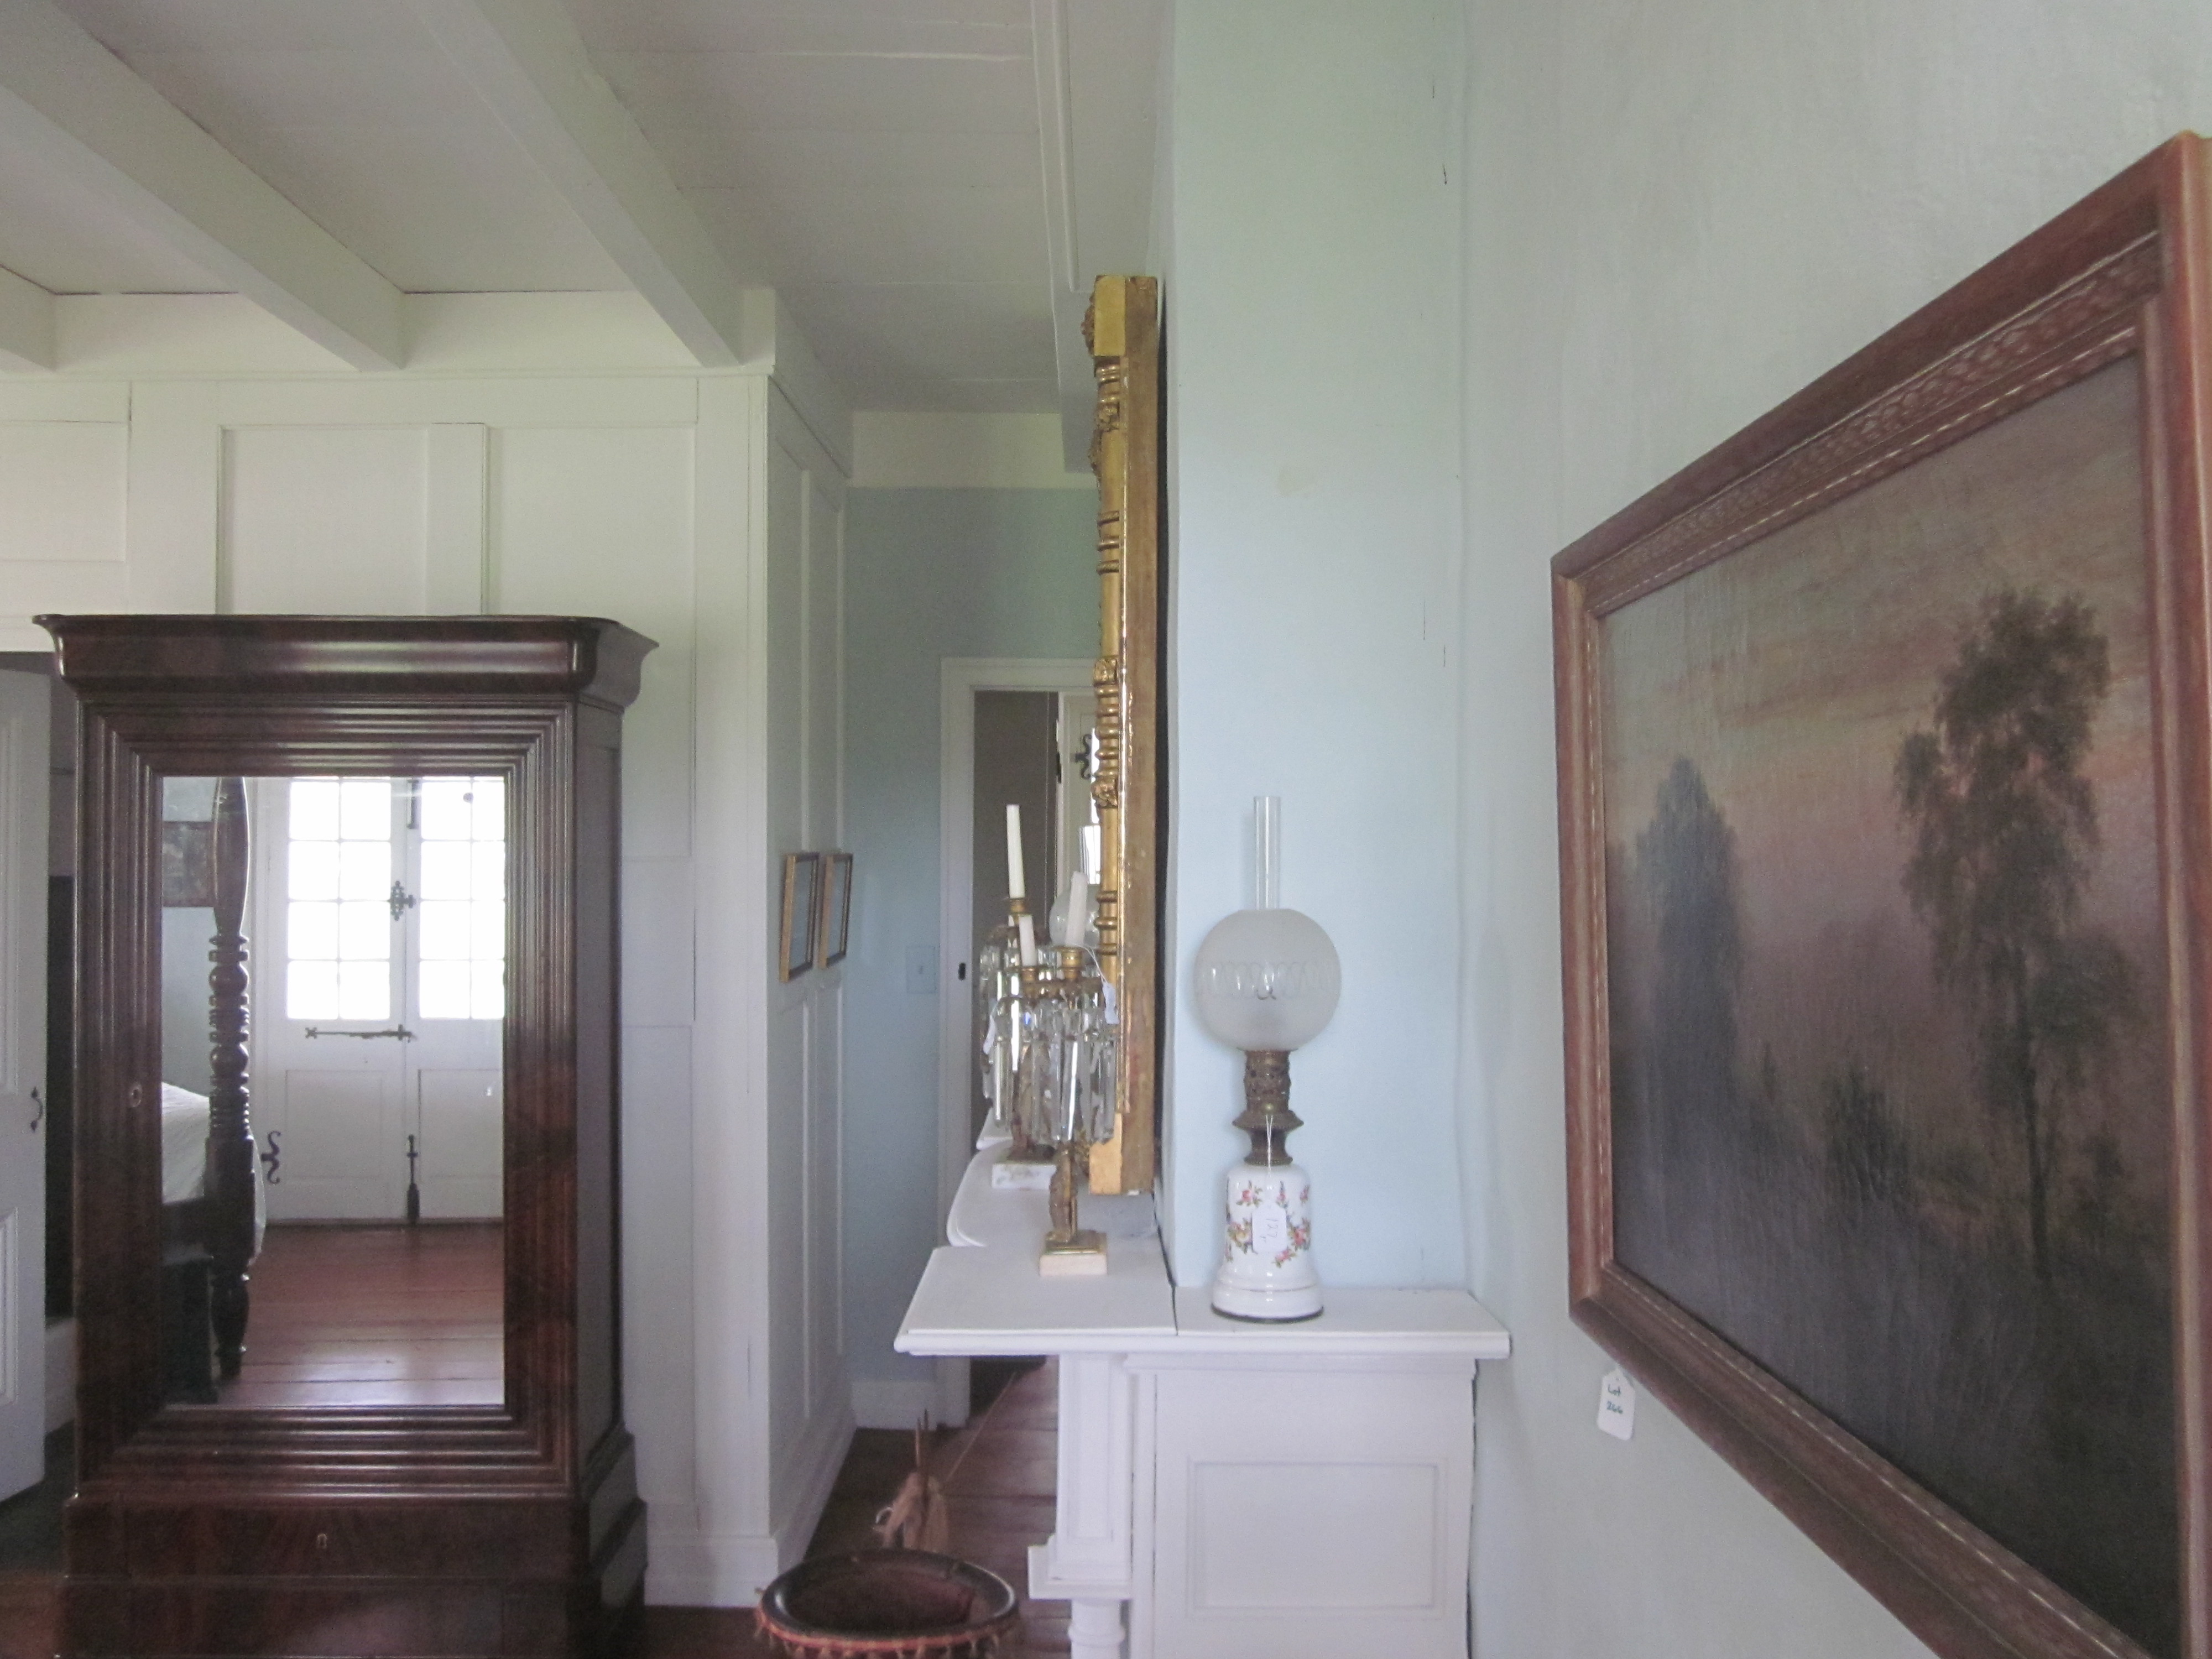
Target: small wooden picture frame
<point x="802" y="888"/>
<point x="836" y="925"/>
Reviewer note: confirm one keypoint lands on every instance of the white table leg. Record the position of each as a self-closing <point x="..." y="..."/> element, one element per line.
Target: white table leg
<point x="1086" y="1560"/>
<point x="1094" y="1629"/>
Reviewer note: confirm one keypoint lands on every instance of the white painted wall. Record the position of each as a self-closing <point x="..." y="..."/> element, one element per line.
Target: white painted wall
<point x="1676" y="215"/>
<point x="704" y="510"/>
<point x="1313" y="328"/>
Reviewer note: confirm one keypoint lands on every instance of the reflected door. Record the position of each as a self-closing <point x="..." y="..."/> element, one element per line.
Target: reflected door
<point x="382" y="971"/>
<point x="23" y="731"/>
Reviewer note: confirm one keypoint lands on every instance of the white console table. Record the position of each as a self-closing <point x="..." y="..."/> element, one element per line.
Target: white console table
<point x="1301" y="1491"/>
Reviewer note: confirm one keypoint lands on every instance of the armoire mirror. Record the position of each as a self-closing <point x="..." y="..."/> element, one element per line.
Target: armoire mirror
<point x="355" y="878"/>
<point x="350" y="932"/>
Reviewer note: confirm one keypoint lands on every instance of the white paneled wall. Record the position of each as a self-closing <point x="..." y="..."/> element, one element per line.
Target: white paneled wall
<point x="702" y="511"/>
<point x="810" y="1398"/>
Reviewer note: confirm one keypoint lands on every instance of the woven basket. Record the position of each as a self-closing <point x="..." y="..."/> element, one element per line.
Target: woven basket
<point x="888" y="1604"/>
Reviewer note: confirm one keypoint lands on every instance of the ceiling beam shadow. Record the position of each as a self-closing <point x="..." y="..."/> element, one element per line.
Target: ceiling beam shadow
<point x="27" y="325"/>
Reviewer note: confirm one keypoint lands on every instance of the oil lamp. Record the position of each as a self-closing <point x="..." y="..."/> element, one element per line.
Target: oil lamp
<point x="1267" y="982"/>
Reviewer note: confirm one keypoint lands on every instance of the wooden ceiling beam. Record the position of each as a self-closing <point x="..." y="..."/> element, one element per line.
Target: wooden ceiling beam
<point x="529" y="65"/>
<point x="68" y="101"/>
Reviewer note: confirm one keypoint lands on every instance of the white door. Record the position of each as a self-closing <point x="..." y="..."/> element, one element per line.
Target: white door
<point x="380" y="1001"/>
<point x="23" y="734"/>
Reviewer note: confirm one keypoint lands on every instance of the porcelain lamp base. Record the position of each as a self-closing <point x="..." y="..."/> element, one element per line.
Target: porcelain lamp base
<point x="1234" y="1301"/>
<point x="1267" y="1268"/>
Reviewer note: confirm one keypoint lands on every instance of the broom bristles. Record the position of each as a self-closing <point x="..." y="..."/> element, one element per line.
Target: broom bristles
<point x="919" y="1518"/>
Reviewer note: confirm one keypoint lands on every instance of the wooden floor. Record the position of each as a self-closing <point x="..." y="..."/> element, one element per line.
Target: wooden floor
<point x="374" y="1315"/>
<point x="999" y="1474"/>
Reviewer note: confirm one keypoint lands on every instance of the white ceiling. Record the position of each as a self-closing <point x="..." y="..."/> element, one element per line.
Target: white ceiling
<point x="929" y="185"/>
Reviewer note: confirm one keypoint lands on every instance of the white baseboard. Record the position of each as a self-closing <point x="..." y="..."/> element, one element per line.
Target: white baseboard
<point x="811" y="1475"/>
<point x="61" y="1373"/>
<point x="686" y="1567"/>
<point x="902" y="1402"/>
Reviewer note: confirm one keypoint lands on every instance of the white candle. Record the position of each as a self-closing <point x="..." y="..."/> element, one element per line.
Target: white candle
<point x="1014" y="889"/>
<point x="1025" y="924"/>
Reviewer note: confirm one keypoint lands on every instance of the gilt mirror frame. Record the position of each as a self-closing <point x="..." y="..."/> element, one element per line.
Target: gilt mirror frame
<point x="537" y="701"/>
<point x="1123" y="328"/>
<point x="1776" y="579"/>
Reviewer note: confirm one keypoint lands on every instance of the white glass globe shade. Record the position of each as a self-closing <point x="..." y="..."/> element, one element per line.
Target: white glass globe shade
<point x="1266" y="978"/>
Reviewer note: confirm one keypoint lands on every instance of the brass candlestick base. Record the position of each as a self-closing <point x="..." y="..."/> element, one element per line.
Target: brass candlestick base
<point x="1069" y="1250"/>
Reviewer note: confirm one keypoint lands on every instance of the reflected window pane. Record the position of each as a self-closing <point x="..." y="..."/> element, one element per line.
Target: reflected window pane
<point x="490" y="809"/>
<point x="444" y="990"/>
<point x="365" y="809"/>
<point x="338" y="932"/>
<point x="364" y="990"/>
<point x="312" y="870"/>
<point x="365" y="870"/>
<point x="365" y="931"/>
<point x="311" y="990"/>
<point x="462" y="916"/>
<point x="445" y="809"/>
<point x="488" y="930"/>
<point x="487" y="992"/>
<point x="313" y="931"/>
<point x="315" y="809"/>
<point x="444" y="935"/>
<point x="447" y="866"/>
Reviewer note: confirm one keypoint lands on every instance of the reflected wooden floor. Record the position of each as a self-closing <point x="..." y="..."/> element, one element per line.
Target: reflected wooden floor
<point x="381" y="1315"/>
<point x="1001" y="1473"/>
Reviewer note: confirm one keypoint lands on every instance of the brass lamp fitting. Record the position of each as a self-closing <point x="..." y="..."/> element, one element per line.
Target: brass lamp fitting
<point x="1267" y="1117"/>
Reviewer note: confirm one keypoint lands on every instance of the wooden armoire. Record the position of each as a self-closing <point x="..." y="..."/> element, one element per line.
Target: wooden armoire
<point x="502" y="1529"/>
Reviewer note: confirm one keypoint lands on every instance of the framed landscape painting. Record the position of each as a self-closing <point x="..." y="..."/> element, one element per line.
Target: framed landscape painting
<point x="1885" y="774"/>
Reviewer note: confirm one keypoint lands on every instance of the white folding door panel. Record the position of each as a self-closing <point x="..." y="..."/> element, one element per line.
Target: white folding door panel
<point x="23" y="733"/>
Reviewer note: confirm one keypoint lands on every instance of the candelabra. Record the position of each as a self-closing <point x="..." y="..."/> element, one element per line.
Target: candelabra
<point x="1064" y="1091"/>
<point x="1052" y="1049"/>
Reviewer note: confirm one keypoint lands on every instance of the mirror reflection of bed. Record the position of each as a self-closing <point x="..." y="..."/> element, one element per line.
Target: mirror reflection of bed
<point x="333" y="951"/>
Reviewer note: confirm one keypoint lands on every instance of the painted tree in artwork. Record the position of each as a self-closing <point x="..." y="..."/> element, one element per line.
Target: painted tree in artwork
<point x="2004" y="829"/>
<point x="1685" y="861"/>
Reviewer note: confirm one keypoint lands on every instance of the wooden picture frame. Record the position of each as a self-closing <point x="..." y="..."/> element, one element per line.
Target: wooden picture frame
<point x="802" y="888"/>
<point x="1840" y="1097"/>
<point x="834" y="924"/>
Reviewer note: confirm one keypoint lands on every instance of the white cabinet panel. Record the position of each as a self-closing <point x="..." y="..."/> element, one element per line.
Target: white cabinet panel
<point x="1257" y="1544"/>
<point x="657" y="947"/>
<point x="62" y="486"/>
<point x="1306" y="1508"/>
<point x="598" y="522"/>
<point x="61" y="492"/>
<point x="325" y="518"/>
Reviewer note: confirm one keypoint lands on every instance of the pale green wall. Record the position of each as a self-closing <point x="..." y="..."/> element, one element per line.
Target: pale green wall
<point x="1678" y="215"/>
<point x="1313" y="316"/>
<point x="929" y="573"/>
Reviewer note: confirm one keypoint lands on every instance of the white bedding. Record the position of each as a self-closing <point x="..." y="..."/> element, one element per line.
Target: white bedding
<point x="183" y="1143"/>
<point x="183" y="1154"/>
